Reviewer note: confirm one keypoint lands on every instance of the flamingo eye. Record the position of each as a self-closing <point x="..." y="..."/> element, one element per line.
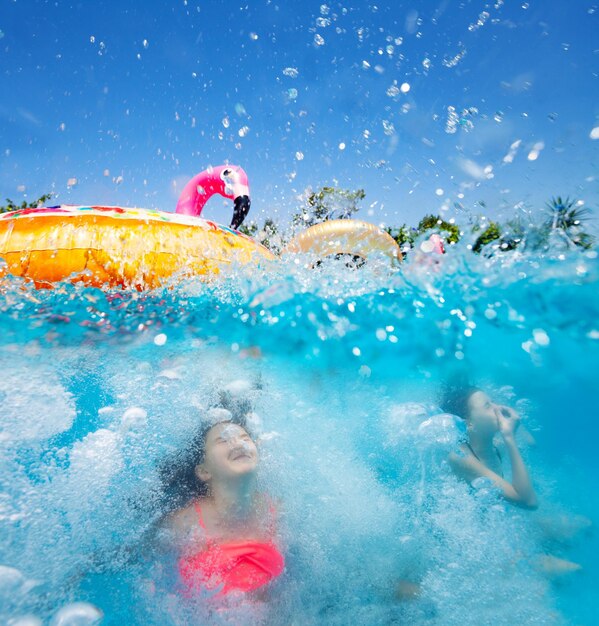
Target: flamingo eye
<point x="227" y="173"/>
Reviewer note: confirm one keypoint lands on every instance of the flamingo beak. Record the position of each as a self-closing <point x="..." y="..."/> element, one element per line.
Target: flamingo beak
<point x="241" y="207"/>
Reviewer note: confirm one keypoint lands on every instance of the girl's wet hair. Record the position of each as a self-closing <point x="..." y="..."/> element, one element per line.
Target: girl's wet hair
<point x="455" y="398"/>
<point x="178" y="471"/>
<point x="179" y="483"/>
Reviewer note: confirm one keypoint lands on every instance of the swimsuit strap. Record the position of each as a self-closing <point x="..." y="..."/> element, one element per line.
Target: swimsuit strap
<point x="496" y="452"/>
<point x="198" y="509"/>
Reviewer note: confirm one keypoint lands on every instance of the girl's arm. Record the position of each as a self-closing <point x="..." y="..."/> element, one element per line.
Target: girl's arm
<point x="518" y="492"/>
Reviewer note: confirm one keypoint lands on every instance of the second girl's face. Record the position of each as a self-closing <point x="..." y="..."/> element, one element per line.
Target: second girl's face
<point x="482" y="412"/>
<point x="229" y="453"/>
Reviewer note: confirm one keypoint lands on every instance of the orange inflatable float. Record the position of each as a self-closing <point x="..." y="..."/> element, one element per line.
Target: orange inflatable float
<point x="121" y="247"/>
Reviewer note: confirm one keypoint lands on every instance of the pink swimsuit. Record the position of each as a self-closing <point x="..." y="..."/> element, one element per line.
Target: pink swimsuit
<point x="234" y="565"/>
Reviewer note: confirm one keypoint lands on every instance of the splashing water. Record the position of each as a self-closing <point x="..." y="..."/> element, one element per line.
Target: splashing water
<point x="342" y="369"/>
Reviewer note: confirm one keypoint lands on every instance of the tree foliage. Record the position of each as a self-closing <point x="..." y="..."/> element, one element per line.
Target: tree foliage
<point x="567" y="217"/>
<point x="33" y="204"/>
<point x="437" y="224"/>
<point x="327" y="204"/>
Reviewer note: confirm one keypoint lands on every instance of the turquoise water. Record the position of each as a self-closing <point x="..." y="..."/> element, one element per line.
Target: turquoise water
<point x="343" y="369"/>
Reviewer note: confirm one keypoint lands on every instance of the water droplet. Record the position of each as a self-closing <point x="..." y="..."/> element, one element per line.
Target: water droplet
<point x="426" y="64"/>
<point x="565" y="47"/>
<point x="145" y="44"/>
<point x="292" y="94"/>
<point x="388" y="127"/>
<point x="594" y="134"/>
<point x="226" y="122"/>
<point x="243" y="131"/>
<point x="324" y="9"/>
<point x="393" y="91"/>
<point x="92" y="39"/>
<point x="405" y="87"/>
<point x="341" y="146"/>
<point x="62" y="126"/>
<point x="439" y="191"/>
<point x="318" y="40"/>
<point x="253" y="36"/>
<point x="299" y="156"/>
<point x="71" y="182"/>
<point x="292" y="72"/>
<point x="323" y="22"/>
<point x="160" y="339"/>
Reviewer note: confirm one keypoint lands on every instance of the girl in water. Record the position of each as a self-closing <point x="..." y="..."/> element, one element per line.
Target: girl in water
<point x="223" y="528"/>
<point x="478" y="457"/>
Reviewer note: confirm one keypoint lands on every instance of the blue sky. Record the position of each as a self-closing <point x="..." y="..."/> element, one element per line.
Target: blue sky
<point x="422" y="104"/>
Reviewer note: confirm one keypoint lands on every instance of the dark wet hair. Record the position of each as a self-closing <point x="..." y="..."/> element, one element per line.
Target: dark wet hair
<point x="455" y="398"/>
<point x="180" y="483"/>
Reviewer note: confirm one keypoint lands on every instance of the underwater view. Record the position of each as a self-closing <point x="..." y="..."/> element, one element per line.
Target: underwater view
<point x="370" y="398"/>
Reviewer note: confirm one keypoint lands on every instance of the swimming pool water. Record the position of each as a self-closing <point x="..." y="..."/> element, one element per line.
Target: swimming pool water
<point x="344" y="369"/>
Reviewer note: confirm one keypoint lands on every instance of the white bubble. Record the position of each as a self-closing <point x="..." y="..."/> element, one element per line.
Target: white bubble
<point x="71" y="182"/>
<point x="134" y="417"/>
<point x="541" y="337"/>
<point x="405" y="87"/>
<point x="239" y="387"/>
<point x="11" y="580"/>
<point x="292" y="94"/>
<point x="160" y="339"/>
<point x="145" y="44"/>
<point x="225" y="122"/>
<point x="356" y="351"/>
<point x="594" y="134"/>
<point x="26" y="620"/>
<point x="299" y="156"/>
<point x="217" y="415"/>
<point x="341" y="146"/>
<point x="318" y="40"/>
<point x="77" y="614"/>
<point x="253" y="36"/>
<point x="92" y="39"/>
<point x="243" y="131"/>
<point x="439" y="191"/>
<point x="292" y="72"/>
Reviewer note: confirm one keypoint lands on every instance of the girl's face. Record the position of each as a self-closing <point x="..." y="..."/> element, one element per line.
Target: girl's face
<point x="483" y="413"/>
<point x="229" y="453"/>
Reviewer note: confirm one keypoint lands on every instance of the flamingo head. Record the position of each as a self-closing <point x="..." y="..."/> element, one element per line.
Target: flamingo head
<point x="233" y="183"/>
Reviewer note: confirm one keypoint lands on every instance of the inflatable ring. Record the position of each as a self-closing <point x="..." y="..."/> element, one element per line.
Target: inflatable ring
<point x="345" y="237"/>
<point x="118" y="247"/>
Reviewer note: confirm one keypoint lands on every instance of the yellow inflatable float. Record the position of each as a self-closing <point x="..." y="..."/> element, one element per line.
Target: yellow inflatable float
<point x="142" y="249"/>
<point x="345" y="237"/>
<point x="117" y="247"/>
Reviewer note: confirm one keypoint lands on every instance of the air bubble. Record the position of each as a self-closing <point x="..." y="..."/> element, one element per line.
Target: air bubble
<point x="318" y="40"/>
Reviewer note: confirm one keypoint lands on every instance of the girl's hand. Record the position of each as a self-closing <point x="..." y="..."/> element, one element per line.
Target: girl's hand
<point x="508" y="420"/>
